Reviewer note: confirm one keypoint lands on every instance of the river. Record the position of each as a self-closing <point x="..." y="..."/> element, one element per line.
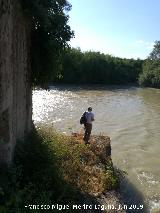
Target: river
<point x="129" y="115"/>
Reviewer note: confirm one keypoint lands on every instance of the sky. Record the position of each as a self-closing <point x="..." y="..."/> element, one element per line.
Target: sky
<point x="121" y="28"/>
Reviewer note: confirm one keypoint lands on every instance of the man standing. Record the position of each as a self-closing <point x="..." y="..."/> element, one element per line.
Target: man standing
<point x="88" y="125"/>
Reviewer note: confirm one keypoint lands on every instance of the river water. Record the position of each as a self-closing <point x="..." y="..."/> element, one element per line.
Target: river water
<point x="129" y="115"/>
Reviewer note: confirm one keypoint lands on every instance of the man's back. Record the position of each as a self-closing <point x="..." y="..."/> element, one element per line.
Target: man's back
<point x="89" y="116"/>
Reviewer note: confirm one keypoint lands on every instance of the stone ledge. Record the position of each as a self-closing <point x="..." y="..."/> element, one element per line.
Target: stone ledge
<point x="101" y="147"/>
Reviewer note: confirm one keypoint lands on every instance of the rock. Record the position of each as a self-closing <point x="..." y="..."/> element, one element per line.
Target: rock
<point x="101" y="201"/>
<point x="100" y="145"/>
<point x="112" y="202"/>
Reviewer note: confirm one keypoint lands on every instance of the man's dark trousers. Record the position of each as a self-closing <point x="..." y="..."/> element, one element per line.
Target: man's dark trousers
<point x="88" y="129"/>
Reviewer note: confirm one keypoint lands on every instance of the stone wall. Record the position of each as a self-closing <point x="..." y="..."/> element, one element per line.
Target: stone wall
<point x="15" y="89"/>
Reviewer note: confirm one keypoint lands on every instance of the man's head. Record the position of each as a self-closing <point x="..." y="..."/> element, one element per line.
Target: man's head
<point x="89" y="109"/>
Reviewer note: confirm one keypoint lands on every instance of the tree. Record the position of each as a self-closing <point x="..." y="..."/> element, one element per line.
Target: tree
<point x="49" y="36"/>
<point x="151" y="68"/>
<point x="155" y="54"/>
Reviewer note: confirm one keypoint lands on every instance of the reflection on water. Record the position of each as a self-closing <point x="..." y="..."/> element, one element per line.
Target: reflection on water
<point x="130" y="116"/>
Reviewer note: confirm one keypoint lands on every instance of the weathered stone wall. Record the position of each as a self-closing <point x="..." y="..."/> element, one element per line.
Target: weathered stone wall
<point x="15" y="89"/>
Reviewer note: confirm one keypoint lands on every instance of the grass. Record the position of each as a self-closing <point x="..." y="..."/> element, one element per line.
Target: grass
<point x="50" y="168"/>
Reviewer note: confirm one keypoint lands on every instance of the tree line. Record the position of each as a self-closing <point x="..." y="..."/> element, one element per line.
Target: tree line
<point x="97" y="68"/>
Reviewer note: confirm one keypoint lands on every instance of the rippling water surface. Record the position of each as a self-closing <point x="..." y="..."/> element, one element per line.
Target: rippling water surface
<point x="129" y="115"/>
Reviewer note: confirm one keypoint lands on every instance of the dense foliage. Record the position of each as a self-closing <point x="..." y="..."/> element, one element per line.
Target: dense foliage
<point x="151" y="68"/>
<point x="95" y="67"/>
<point x="49" y="36"/>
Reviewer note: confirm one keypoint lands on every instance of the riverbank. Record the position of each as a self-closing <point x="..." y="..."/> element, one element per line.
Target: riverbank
<point x="60" y="172"/>
<point x="109" y="200"/>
